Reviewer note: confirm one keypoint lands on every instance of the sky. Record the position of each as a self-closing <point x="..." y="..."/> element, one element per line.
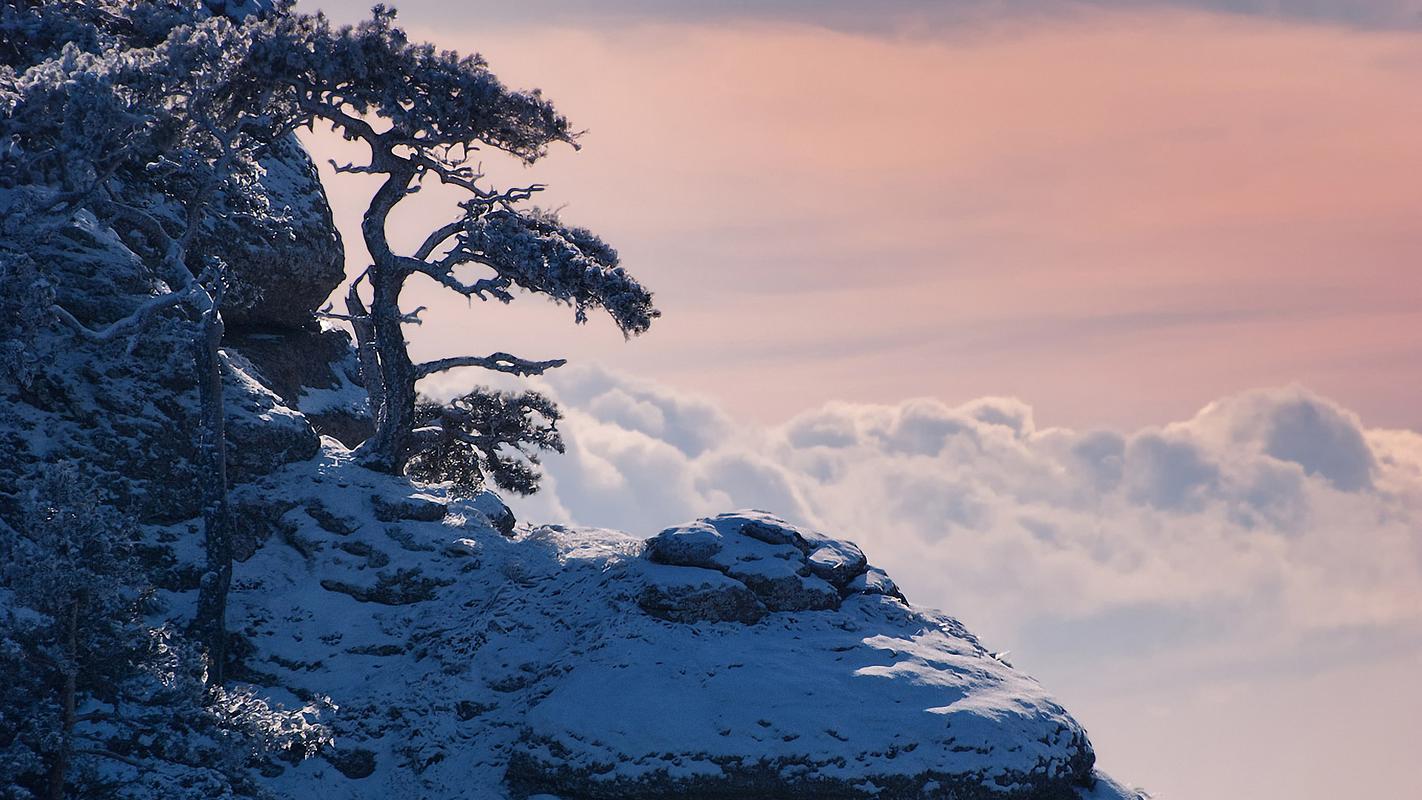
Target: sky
<point x="1095" y="324"/>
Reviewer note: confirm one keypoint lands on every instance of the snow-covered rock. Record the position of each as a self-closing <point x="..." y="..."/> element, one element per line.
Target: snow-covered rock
<point x="126" y="408"/>
<point x="278" y="280"/>
<point x="314" y="371"/>
<point x="467" y="663"/>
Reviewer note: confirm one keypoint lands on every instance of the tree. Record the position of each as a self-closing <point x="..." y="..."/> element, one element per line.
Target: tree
<point x="69" y="567"/>
<point x="486" y="435"/>
<point x="90" y="684"/>
<point x="143" y="116"/>
<point x="424" y="114"/>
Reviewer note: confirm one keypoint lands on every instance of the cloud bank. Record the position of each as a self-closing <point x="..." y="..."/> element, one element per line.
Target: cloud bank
<point x="1241" y="589"/>
<point x="1271" y="517"/>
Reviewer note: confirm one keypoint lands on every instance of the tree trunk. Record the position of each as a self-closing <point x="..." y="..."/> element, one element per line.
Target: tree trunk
<point x="388" y="449"/>
<point x="210" y="622"/>
<point x="59" y="770"/>
<point x="396" y="418"/>
<point x="365" y="350"/>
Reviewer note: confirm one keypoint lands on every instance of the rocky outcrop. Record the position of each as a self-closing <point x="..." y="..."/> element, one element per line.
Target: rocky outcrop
<point x="468" y="663"/>
<point x="765" y="565"/>
<point x="314" y="371"/>
<point x="281" y="274"/>
<point x="126" y="408"/>
<point x="825" y="687"/>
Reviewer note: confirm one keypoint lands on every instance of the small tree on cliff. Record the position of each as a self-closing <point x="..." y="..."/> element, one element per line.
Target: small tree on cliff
<point x="93" y="696"/>
<point x="486" y="436"/>
<point x="144" y="115"/>
<point x="423" y="114"/>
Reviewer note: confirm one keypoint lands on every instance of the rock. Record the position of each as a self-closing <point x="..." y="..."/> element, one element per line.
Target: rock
<point x="694" y="545"/>
<point x="760" y="525"/>
<point x="253" y="523"/>
<point x="698" y="595"/>
<point x="790" y="591"/>
<point x="884" y="702"/>
<point x="278" y="279"/>
<point x="786" y="568"/>
<point x="875" y="581"/>
<point x="262" y="434"/>
<point x="355" y="763"/>
<point x="398" y="588"/>
<point x="494" y="509"/>
<point x="330" y="521"/>
<point x="315" y="372"/>
<point x="837" y="562"/>
<point x="411" y="508"/>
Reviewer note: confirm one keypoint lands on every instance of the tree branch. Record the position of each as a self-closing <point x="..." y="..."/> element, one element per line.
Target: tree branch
<point x="498" y="362"/>
<point x="135" y="321"/>
<point x="438" y="237"/>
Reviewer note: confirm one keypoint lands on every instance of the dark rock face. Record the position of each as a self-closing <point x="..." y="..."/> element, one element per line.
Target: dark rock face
<point x="412" y="508"/>
<point x="314" y="371"/>
<point x="355" y="764"/>
<point x="766" y="779"/>
<point x="697" y="595"/>
<point x="278" y="280"/>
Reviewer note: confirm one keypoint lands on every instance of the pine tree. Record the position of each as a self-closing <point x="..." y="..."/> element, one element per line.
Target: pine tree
<point x="97" y="702"/>
<point x="485" y="436"/>
<point x="424" y="114"/>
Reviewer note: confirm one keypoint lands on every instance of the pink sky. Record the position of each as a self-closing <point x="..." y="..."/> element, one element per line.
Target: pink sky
<point x="1118" y="216"/>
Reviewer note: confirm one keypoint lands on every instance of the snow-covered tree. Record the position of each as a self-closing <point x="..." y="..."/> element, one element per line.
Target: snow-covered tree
<point x="424" y="114"/>
<point x="72" y="618"/>
<point x="486" y="436"/>
<point x="96" y="702"/>
<point x="143" y="117"/>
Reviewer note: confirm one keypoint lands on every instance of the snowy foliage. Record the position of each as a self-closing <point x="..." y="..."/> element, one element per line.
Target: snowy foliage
<point x="23" y="314"/>
<point x="121" y="706"/>
<point x="486" y="434"/>
<point x="428" y="99"/>
<point x="536" y="252"/>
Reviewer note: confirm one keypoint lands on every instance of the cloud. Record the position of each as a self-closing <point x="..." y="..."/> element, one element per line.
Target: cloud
<point x="1188" y="589"/>
<point x="1268" y="517"/>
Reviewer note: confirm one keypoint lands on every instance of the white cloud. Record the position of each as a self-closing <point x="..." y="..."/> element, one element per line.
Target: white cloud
<point x="1275" y="509"/>
<point x="1197" y="574"/>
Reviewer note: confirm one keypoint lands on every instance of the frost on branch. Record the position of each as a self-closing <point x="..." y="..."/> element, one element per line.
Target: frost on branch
<point x="485" y="435"/>
<point x="536" y="252"/>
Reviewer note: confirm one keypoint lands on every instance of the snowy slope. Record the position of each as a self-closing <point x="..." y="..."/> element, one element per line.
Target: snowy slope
<point x="461" y="663"/>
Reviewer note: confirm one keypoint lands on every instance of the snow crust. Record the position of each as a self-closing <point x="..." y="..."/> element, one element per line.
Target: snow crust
<point x="458" y="662"/>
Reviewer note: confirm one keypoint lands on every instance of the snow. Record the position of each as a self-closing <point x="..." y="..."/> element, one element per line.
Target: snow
<point x="488" y="650"/>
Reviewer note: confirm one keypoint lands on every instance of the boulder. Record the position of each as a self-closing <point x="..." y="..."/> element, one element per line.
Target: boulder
<point x="496" y="511"/>
<point x="785" y="567"/>
<point x="280" y="275"/>
<point x="698" y="595"/>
